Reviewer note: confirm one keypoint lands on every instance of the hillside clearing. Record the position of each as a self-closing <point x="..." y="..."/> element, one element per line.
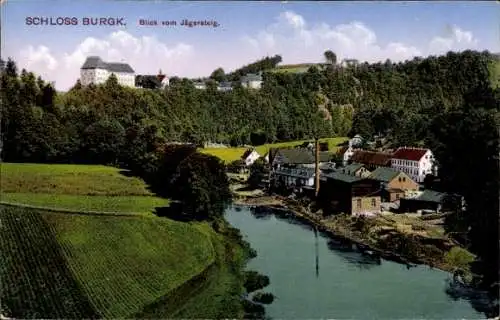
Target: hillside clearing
<point x="121" y="264"/>
<point x="76" y="188"/>
<point x="69" y="179"/>
<point x="232" y="154"/>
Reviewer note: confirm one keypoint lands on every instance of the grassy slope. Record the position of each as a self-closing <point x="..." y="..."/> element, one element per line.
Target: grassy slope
<point x="231" y="154"/>
<point x="120" y="264"/>
<point x="76" y="187"/>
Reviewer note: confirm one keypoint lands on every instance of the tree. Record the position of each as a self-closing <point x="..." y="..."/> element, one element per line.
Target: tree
<point x="103" y="141"/>
<point x="218" y="75"/>
<point x="257" y="173"/>
<point x="202" y="187"/>
<point x="330" y="57"/>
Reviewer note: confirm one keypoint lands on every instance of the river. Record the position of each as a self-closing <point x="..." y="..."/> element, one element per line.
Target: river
<point x="313" y="277"/>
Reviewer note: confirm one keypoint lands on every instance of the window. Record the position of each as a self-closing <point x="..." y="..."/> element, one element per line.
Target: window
<point x="397" y="196"/>
<point x="399" y="179"/>
<point x="359" y="203"/>
<point x="374" y="202"/>
<point x="404" y="179"/>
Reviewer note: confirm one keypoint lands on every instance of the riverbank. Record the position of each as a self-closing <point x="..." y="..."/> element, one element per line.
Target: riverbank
<point x="405" y="239"/>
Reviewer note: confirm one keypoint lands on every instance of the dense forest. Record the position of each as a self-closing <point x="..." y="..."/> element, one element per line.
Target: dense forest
<point x="449" y="103"/>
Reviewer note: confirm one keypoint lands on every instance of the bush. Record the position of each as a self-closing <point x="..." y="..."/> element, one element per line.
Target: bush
<point x="255" y="281"/>
<point x="263" y="297"/>
<point x="459" y="258"/>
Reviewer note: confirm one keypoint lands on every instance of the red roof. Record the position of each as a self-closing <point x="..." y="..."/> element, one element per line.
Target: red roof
<point x="371" y="158"/>
<point x="411" y="154"/>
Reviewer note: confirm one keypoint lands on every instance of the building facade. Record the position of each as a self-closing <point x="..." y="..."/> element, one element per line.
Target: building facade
<point x="252" y="81"/>
<point x="415" y="162"/>
<point x="96" y="71"/>
<point x="342" y="193"/>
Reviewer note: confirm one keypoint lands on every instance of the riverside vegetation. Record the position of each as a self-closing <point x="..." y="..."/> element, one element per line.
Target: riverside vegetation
<point x="449" y="103"/>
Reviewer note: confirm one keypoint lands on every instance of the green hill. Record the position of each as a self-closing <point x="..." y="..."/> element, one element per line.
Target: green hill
<point x="112" y="263"/>
<point x="57" y="265"/>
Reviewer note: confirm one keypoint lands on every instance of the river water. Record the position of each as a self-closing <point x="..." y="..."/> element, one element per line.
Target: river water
<point x="315" y="278"/>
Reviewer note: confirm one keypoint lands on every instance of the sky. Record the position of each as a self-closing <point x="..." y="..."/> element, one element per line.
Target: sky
<point x="299" y="31"/>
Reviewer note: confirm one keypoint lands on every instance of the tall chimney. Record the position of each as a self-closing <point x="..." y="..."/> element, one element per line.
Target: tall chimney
<point x="316" y="171"/>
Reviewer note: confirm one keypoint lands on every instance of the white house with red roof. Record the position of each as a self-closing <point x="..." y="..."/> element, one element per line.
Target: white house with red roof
<point x="415" y="162"/>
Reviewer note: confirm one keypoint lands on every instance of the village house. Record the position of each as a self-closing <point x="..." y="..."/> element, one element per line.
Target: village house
<point x="152" y="81"/>
<point x="394" y="184"/>
<point x="224" y="86"/>
<point x="429" y="200"/>
<point x="371" y="159"/>
<point x="415" y="162"/>
<point x="252" y="81"/>
<point x="345" y="153"/>
<point x="343" y="193"/>
<point x="355" y="169"/>
<point x="250" y="156"/>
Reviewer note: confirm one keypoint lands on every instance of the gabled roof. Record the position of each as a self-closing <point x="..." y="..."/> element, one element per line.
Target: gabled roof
<point x="119" y="67"/>
<point x="411" y="154"/>
<point x="296" y="156"/>
<point x="352" y="168"/>
<point x="384" y="174"/>
<point x="247" y="153"/>
<point x="431" y="196"/>
<point x="339" y="176"/>
<point x="371" y="157"/>
<point x="251" y="77"/>
<point x="95" y="62"/>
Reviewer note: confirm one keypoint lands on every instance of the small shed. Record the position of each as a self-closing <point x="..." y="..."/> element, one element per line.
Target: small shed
<point x="427" y="200"/>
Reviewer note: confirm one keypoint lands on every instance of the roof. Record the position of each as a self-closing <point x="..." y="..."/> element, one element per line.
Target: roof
<point x="251" y="77"/>
<point x="384" y="174"/>
<point x="296" y="156"/>
<point x="411" y="154"/>
<point x="325" y="156"/>
<point x="371" y="157"/>
<point x="247" y="153"/>
<point x="119" y="67"/>
<point x="95" y="62"/>
<point x="431" y="196"/>
<point x="336" y="175"/>
<point x="352" y="168"/>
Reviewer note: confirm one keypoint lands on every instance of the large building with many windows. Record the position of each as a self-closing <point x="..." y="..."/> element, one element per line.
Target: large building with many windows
<point x="96" y="71"/>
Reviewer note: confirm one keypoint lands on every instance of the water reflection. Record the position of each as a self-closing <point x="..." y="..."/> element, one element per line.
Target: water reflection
<point x="365" y="261"/>
<point x="480" y="300"/>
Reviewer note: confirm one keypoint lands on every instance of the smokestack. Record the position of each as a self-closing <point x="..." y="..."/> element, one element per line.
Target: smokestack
<point x="316" y="162"/>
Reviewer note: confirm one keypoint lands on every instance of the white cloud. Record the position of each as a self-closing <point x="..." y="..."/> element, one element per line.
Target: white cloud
<point x="145" y="54"/>
<point x="299" y="41"/>
<point x="38" y="57"/>
<point x="454" y="39"/>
